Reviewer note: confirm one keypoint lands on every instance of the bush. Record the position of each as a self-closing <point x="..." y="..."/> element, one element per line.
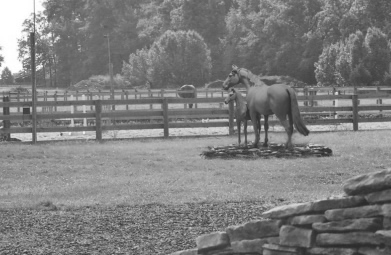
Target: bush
<point x="100" y="82"/>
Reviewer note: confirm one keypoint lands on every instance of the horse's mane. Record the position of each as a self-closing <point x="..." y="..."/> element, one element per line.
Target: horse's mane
<point x="252" y="77"/>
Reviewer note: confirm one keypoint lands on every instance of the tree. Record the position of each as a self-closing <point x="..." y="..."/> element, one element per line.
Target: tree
<point x="175" y="59"/>
<point x="1" y="57"/>
<point x="203" y="16"/>
<point x="66" y="19"/>
<point x="136" y="71"/>
<point x="358" y="60"/>
<point x="6" y="77"/>
<point x="275" y="37"/>
<point x="325" y="67"/>
<point x="178" y="58"/>
<point x="43" y="48"/>
<point x="378" y="54"/>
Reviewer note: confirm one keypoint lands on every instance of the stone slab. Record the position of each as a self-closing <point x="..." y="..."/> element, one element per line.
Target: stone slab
<point x="387" y="223"/>
<point x="385" y="235"/>
<point x="284" y="211"/>
<point x="314" y="207"/>
<point x="368" y="183"/>
<point x="354" y="213"/>
<point x="379" y="197"/>
<point x="352" y="238"/>
<point x="223" y="251"/>
<point x="254" y="230"/>
<point x="331" y="251"/>
<point x="213" y="241"/>
<point x="306" y="219"/>
<point x="298" y="237"/>
<point x="351" y="225"/>
<point x="338" y="203"/>
<point x="273" y="252"/>
<point x="386" y="210"/>
<point x="186" y="252"/>
<point x="273" y="240"/>
<point x="249" y="246"/>
<point x="374" y="251"/>
<point x="273" y="249"/>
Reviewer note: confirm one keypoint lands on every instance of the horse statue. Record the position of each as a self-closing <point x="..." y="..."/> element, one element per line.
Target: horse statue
<point x="189" y="92"/>
<point x="278" y="99"/>
<point x="242" y="113"/>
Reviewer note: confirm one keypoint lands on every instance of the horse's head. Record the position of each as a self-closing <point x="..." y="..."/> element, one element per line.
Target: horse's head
<point x="232" y="79"/>
<point x="231" y="96"/>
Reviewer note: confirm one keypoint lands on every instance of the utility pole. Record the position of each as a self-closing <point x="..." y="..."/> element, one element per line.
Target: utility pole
<point x="34" y="86"/>
<point x="110" y="67"/>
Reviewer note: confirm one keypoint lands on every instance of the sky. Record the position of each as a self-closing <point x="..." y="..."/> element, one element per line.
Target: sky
<point x="12" y="15"/>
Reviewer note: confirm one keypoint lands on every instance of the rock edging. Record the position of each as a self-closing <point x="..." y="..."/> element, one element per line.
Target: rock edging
<point x="358" y="223"/>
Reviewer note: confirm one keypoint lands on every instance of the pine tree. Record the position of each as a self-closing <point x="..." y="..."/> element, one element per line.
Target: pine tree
<point x="6" y="77"/>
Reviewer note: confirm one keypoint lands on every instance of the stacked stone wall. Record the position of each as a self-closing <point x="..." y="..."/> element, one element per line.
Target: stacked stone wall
<point x="358" y="223"/>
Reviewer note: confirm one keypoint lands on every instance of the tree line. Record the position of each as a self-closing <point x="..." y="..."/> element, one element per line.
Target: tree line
<point x="175" y="42"/>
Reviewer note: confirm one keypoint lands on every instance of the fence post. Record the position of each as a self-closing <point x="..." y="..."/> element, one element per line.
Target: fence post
<point x="231" y="118"/>
<point x="150" y="95"/>
<point x="355" y="111"/>
<point x="6" y="123"/>
<point x="162" y="95"/>
<point x="335" y="102"/>
<point x="165" y="117"/>
<point x="127" y="98"/>
<point x="18" y="98"/>
<point x="379" y="101"/>
<point x="195" y="96"/>
<point x="98" y="119"/>
<point x="305" y="94"/>
<point x="55" y="100"/>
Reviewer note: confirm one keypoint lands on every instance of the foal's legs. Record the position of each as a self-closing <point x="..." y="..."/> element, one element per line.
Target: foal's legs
<point x="266" y="126"/>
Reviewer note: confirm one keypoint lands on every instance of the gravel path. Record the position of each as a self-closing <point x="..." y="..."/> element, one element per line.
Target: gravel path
<point x="147" y="229"/>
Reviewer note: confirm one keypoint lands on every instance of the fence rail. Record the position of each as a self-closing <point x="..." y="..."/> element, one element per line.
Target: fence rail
<point x="102" y="115"/>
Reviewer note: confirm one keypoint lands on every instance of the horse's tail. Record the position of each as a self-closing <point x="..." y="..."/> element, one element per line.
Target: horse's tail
<point x="297" y="120"/>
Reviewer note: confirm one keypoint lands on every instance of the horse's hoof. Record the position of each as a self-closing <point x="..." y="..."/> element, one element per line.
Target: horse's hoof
<point x="289" y="147"/>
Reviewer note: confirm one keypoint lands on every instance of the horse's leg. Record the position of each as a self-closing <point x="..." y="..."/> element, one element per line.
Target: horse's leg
<point x="245" y="132"/>
<point x="238" y="126"/>
<point x="266" y="127"/>
<point x="254" y="120"/>
<point x="288" y="129"/>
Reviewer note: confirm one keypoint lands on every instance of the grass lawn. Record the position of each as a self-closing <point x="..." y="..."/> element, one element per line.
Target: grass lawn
<point x="136" y="172"/>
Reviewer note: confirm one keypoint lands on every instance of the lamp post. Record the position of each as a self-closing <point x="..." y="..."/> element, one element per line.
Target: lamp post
<point x="110" y="67"/>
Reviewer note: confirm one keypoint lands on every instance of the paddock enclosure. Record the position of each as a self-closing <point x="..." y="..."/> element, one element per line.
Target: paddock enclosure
<point x="99" y="111"/>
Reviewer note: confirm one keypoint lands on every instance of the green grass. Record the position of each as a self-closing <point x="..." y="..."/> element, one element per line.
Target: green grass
<point x="172" y="171"/>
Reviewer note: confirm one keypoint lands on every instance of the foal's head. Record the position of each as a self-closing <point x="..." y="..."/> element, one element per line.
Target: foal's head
<point x="232" y="95"/>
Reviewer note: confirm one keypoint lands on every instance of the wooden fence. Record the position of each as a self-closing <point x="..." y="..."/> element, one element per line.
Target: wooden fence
<point x="127" y="94"/>
<point x="165" y="112"/>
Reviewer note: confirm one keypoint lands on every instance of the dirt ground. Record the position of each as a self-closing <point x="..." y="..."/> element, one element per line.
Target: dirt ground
<point x="178" y="132"/>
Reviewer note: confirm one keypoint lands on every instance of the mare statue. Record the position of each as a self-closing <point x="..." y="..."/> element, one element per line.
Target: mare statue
<point x="242" y="113"/>
<point x="189" y="92"/>
<point x="278" y="99"/>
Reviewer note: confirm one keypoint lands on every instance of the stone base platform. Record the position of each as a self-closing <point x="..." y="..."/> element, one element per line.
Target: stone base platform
<point x="274" y="150"/>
